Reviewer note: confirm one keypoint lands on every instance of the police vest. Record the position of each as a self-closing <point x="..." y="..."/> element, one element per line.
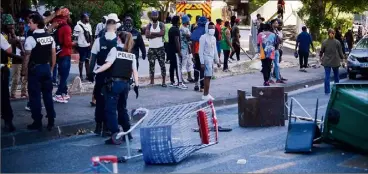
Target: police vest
<point x="123" y="64"/>
<point x="42" y="53"/>
<point x="105" y="47"/>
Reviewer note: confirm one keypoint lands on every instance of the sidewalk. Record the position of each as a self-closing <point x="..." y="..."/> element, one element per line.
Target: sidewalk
<point x="77" y="115"/>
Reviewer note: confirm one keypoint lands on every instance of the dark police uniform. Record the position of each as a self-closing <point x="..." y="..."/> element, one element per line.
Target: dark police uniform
<point x="138" y="43"/>
<point x="39" y="77"/>
<point x="118" y="89"/>
<point x="100" y="49"/>
<point x="6" y="109"/>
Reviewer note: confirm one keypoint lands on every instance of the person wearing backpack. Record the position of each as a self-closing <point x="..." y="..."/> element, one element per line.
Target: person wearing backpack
<point x="63" y="43"/>
<point x="83" y="35"/>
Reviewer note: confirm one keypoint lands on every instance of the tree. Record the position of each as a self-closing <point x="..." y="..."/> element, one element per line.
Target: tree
<point x="14" y="7"/>
<point x="99" y="8"/>
<point x="324" y="14"/>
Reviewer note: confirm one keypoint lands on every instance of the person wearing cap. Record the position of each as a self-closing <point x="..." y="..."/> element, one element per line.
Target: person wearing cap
<point x="155" y="31"/>
<point x="235" y="40"/>
<point x="113" y="16"/>
<point x="186" y="61"/>
<point x="100" y="26"/>
<point x="17" y="64"/>
<point x="137" y="37"/>
<point x="63" y="40"/>
<point x="100" y="50"/>
<point x="38" y="65"/>
<point x="168" y="25"/>
<point x="120" y="64"/>
<point x="198" y="71"/>
<point x="83" y="35"/>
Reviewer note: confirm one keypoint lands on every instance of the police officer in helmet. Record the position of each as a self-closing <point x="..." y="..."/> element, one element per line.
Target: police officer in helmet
<point x="38" y="65"/>
<point x="121" y="65"/>
<point x="100" y="50"/>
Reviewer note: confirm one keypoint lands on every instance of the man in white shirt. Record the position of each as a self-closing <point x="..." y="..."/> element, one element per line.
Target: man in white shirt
<point x="6" y="109"/>
<point x="38" y="65"/>
<point x="83" y="35"/>
<point x="100" y="26"/>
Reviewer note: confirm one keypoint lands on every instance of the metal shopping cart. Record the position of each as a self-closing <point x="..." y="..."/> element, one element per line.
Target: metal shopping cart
<point x="167" y="136"/>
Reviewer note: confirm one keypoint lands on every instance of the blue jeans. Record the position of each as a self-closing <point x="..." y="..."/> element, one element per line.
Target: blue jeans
<point x="276" y="65"/>
<point x="327" y="77"/>
<point x="116" y="99"/>
<point x="63" y="68"/>
<point x="40" y="81"/>
<point x="54" y="74"/>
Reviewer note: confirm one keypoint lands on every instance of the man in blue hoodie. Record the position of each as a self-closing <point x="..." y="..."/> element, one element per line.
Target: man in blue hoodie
<point x="196" y="35"/>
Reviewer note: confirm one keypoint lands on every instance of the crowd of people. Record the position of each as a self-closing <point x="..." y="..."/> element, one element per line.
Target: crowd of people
<point x="40" y="48"/>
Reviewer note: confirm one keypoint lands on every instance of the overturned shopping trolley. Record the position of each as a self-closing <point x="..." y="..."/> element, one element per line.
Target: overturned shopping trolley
<point x="167" y="136"/>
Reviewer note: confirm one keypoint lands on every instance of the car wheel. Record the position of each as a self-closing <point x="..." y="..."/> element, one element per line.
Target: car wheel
<point x="352" y="76"/>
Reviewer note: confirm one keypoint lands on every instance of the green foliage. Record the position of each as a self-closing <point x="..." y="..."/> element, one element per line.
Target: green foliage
<point x="95" y="9"/>
<point x="99" y="8"/>
<point x="319" y="15"/>
<point x="255" y="4"/>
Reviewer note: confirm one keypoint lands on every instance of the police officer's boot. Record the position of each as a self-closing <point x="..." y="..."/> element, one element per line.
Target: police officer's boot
<point x="51" y="123"/>
<point x="36" y="125"/>
<point x="9" y="127"/>
<point x="105" y="131"/>
<point x="98" y="128"/>
<point x="130" y="137"/>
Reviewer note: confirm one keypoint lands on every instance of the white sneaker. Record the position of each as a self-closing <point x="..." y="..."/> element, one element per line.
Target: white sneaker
<point x="182" y="86"/>
<point x="175" y="85"/>
<point x="207" y="97"/>
<point x="27" y="108"/>
<point x="60" y="99"/>
<point x="66" y="96"/>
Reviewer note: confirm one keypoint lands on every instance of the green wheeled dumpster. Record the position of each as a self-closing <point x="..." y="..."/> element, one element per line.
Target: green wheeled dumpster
<point x="346" y="119"/>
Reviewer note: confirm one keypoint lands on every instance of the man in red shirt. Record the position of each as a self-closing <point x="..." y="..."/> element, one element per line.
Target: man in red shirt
<point x="64" y="44"/>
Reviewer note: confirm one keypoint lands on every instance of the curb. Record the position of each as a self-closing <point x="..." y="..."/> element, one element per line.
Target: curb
<point x="27" y="137"/>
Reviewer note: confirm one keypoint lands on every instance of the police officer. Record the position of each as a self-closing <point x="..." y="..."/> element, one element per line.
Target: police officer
<point x="100" y="49"/>
<point x="120" y="64"/>
<point x="38" y="65"/>
<point x="137" y="37"/>
<point x="6" y="109"/>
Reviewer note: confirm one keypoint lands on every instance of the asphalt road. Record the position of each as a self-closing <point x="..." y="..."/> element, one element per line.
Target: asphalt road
<point x="261" y="148"/>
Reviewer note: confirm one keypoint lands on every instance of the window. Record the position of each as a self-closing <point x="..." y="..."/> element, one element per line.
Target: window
<point x="362" y="44"/>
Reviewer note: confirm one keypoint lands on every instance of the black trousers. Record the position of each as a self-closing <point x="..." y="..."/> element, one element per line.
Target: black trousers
<point x="100" y="99"/>
<point x="198" y="72"/>
<point x="6" y="109"/>
<point x="226" y="59"/>
<point x="266" y="68"/>
<point x="303" y="59"/>
<point x="236" y="51"/>
<point x="166" y="46"/>
<point x="173" y="67"/>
